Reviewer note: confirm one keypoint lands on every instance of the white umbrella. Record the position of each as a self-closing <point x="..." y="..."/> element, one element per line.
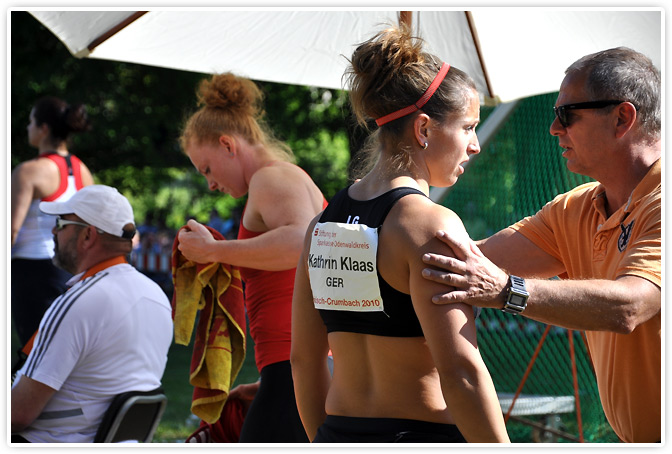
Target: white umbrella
<point x="510" y="52"/>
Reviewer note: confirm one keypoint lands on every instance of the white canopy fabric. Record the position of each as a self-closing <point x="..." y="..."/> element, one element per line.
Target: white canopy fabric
<point x="510" y="52"/>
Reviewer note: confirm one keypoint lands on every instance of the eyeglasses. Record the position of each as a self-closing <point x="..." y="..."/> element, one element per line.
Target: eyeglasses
<point x="61" y="223"/>
<point x="562" y="111"/>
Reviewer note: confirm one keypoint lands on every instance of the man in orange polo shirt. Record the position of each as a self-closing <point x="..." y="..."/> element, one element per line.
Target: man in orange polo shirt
<point x="602" y="238"/>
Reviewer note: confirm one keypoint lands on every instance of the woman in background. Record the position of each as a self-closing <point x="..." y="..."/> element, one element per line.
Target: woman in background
<point x="405" y="370"/>
<point x="54" y="175"/>
<point x="229" y="143"/>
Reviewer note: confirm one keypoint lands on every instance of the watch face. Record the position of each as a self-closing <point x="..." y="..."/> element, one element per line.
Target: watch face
<point x="517" y="300"/>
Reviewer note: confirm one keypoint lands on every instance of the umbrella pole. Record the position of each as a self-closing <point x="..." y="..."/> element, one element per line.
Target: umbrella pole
<point x="477" y="44"/>
<point x="114" y="30"/>
<point x="405" y="18"/>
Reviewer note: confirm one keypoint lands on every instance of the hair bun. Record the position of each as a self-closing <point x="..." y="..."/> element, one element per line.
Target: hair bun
<point x="380" y="68"/>
<point x="76" y="118"/>
<point x="229" y="92"/>
<point x="400" y="48"/>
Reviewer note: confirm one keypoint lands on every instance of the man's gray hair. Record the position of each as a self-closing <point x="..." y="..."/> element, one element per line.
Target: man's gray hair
<point x="624" y="74"/>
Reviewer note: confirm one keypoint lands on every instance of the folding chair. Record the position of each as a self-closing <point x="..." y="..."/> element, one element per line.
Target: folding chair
<point x="132" y="416"/>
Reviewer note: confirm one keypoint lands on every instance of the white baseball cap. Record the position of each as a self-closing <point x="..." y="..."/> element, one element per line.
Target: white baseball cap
<point x="101" y="206"/>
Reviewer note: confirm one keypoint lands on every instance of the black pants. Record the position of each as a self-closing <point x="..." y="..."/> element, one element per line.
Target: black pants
<point x="273" y="416"/>
<point x="345" y="429"/>
<point x="35" y="285"/>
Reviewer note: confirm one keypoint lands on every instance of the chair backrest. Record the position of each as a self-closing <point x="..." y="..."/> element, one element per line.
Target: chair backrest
<point x="132" y="416"/>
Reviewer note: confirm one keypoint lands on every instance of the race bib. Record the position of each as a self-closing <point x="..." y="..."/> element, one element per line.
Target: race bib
<point x="342" y="267"/>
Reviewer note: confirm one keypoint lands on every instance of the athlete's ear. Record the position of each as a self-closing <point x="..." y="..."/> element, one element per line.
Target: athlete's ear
<point x="421" y="129"/>
<point x="228" y="144"/>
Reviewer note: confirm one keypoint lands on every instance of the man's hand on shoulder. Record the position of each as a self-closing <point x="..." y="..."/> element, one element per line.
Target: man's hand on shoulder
<point x="475" y="279"/>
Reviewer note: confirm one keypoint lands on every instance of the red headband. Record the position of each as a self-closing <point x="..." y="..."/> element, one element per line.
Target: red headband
<point x="421" y="102"/>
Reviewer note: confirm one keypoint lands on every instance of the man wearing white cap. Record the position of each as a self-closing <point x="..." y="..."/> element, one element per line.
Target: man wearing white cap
<point x="107" y="334"/>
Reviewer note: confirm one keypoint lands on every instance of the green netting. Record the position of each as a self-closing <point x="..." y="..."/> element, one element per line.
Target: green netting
<point x="514" y="176"/>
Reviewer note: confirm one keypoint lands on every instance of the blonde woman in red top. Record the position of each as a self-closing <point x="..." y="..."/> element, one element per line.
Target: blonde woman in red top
<point x="229" y="143"/>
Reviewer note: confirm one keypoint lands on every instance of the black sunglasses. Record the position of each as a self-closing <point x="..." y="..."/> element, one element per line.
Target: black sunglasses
<point x="562" y="111"/>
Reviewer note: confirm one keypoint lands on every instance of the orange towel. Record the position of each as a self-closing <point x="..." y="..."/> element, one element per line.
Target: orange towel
<point x="219" y="344"/>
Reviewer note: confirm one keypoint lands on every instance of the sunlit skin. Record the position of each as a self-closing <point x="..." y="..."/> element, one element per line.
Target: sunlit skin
<point x="584" y="141"/>
<point x="452" y="143"/>
<point x="282" y="199"/>
<point x="221" y="165"/>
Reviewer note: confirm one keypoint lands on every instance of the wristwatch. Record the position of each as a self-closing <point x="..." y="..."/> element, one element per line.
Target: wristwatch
<point x="516" y="300"/>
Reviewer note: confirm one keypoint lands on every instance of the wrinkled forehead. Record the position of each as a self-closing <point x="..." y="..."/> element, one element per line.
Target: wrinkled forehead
<point x="572" y="89"/>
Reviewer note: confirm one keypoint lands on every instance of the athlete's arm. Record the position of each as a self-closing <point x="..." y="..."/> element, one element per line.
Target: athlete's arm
<point x="450" y="332"/>
<point x="31" y="180"/>
<point x="309" y="350"/>
<point x="280" y="206"/>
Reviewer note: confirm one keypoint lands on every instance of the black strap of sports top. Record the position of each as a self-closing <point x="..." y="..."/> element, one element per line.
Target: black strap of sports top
<point x="394" y="197"/>
<point x="68" y="161"/>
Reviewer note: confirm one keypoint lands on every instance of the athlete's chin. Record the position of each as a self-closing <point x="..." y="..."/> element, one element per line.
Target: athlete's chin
<point x="445" y="182"/>
<point x="452" y="181"/>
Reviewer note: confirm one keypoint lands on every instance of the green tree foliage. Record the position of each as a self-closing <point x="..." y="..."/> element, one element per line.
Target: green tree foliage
<point x="137" y="112"/>
<point x="135" y="109"/>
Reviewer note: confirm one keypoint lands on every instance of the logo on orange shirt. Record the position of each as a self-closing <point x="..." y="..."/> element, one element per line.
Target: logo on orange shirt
<point x="625" y="236"/>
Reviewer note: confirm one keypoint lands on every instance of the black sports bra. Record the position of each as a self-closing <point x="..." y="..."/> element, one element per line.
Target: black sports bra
<point x="398" y="319"/>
